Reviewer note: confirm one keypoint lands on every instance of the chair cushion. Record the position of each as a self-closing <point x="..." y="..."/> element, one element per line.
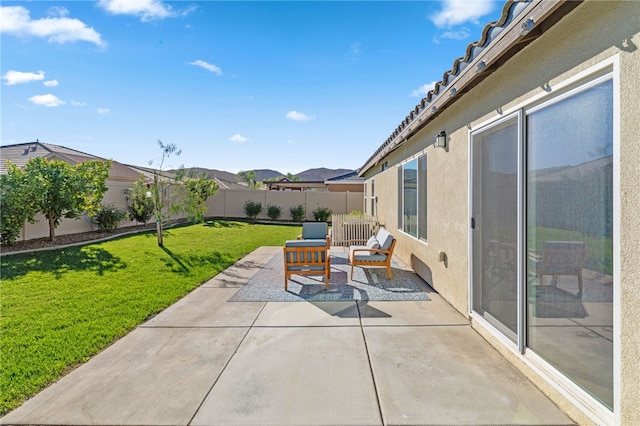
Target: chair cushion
<point x="373" y="243"/>
<point x="384" y="238"/>
<point x="314" y="230"/>
<point x="306" y="243"/>
<point x="368" y="257"/>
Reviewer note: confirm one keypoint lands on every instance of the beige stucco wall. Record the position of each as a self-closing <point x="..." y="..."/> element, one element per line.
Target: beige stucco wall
<point x="226" y="203"/>
<point x="230" y="202"/>
<point x="592" y="33"/>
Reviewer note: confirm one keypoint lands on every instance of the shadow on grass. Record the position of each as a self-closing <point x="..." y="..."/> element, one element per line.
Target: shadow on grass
<point x="59" y="262"/>
<point x="183" y="265"/>
<point x="222" y="224"/>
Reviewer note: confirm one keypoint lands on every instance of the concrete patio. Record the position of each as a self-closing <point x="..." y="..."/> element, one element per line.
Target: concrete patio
<point x="206" y="361"/>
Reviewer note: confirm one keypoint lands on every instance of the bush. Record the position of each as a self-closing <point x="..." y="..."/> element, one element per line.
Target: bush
<point x="139" y="203"/>
<point x="252" y="209"/>
<point x="274" y="212"/>
<point x="109" y="217"/>
<point x="297" y="213"/>
<point x="321" y="214"/>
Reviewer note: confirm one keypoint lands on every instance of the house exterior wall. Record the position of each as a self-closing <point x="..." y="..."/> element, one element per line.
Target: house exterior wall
<point x="592" y="33"/>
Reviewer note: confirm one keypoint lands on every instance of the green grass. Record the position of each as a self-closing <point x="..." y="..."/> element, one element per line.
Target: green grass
<point x="599" y="250"/>
<point x="58" y="308"/>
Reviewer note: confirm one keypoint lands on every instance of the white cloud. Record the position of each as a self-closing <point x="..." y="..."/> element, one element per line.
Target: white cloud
<point x="238" y="138"/>
<point x="15" y="20"/>
<point x="207" y="66"/>
<point x="456" y="35"/>
<point x="47" y="100"/>
<point x="455" y="12"/>
<point x="297" y="116"/>
<point x="17" y="77"/>
<point x="50" y="83"/>
<point x="147" y="10"/>
<point x="78" y="104"/>
<point x="102" y="111"/>
<point x="422" y="91"/>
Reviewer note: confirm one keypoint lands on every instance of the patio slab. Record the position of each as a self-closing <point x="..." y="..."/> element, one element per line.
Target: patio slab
<point x="150" y="377"/>
<point x="207" y="307"/>
<point x="316" y="314"/>
<point x="295" y="376"/>
<point x="450" y="375"/>
<point x="237" y="275"/>
<point x="432" y="312"/>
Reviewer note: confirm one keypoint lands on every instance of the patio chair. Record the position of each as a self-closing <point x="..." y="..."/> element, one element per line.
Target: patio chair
<point x="377" y="251"/>
<point x="314" y="231"/>
<point x="307" y="257"/>
<point x="561" y="258"/>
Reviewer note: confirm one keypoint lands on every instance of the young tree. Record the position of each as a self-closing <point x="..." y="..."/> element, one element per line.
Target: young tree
<point x="17" y="203"/>
<point x="60" y="190"/>
<point x="178" y="193"/>
<point x="249" y="178"/>
<point x="198" y="190"/>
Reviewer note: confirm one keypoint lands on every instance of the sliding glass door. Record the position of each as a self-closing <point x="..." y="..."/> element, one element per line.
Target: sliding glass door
<point x="542" y="267"/>
<point x="570" y="236"/>
<point x="495" y="225"/>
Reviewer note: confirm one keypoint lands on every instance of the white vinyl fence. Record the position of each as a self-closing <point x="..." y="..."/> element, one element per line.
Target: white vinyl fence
<point x="345" y="228"/>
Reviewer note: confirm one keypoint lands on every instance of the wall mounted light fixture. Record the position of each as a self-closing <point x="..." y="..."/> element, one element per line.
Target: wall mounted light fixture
<point x="441" y="140"/>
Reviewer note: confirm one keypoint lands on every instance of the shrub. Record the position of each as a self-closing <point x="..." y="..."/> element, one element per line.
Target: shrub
<point x="274" y="212"/>
<point x="139" y="202"/>
<point x="252" y="209"/>
<point x="109" y="217"/>
<point x="356" y="213"/>
<point x="321" y="214"/>
<point x="297" y="213"/>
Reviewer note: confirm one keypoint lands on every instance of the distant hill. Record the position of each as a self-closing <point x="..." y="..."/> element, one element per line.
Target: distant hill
<point x="262" y="174"/>
<point x="321" y="174"/>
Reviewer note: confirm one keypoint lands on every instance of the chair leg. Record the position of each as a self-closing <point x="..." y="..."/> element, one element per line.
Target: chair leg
<point x="389" y="271"/>
<point x="326" y="281"/>
<point x="286" y="281"/>
<point x="351" y="271"/>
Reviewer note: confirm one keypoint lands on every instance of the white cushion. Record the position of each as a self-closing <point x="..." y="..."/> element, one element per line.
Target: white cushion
<point x="373" y="243"/>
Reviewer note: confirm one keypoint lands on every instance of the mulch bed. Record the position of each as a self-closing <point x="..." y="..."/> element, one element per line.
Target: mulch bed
<point x="64" y="240"/>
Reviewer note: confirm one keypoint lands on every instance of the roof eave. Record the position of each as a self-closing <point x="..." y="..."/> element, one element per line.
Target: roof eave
<point x="517" y="31"/>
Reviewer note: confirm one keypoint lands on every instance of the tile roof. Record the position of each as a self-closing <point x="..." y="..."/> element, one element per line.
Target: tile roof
<point x="20" y="154"/>
<point x="475" y="65"/>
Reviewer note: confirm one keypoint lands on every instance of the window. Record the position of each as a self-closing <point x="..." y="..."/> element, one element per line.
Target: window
<point x="409" y="197"/>
<point x="373" y="197"/>
<point x="414" y="197"/>
<point x="422" y="197"/>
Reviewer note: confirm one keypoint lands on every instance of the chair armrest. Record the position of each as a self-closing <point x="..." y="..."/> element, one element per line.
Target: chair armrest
<point x="376" y="251"/>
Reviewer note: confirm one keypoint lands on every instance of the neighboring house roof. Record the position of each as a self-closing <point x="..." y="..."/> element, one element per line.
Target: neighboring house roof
<point x="350" y="178"/>
<point x="520" y="23"/>
<point x="299" y="185"/>
<point x="20" y="154"/>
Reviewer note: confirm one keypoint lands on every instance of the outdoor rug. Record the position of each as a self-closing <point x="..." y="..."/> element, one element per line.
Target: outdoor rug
<point x="267" y="285"/>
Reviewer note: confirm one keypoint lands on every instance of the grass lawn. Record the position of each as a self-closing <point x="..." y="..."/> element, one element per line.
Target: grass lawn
<point x="58" y="308"/>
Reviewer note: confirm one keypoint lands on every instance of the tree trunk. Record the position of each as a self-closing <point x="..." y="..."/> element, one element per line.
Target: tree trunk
<point x="159" y="231"/>
<point x="52" y="229"/>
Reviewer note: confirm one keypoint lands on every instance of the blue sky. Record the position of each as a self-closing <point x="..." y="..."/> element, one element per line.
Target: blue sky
<point x="235" y="85"/>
